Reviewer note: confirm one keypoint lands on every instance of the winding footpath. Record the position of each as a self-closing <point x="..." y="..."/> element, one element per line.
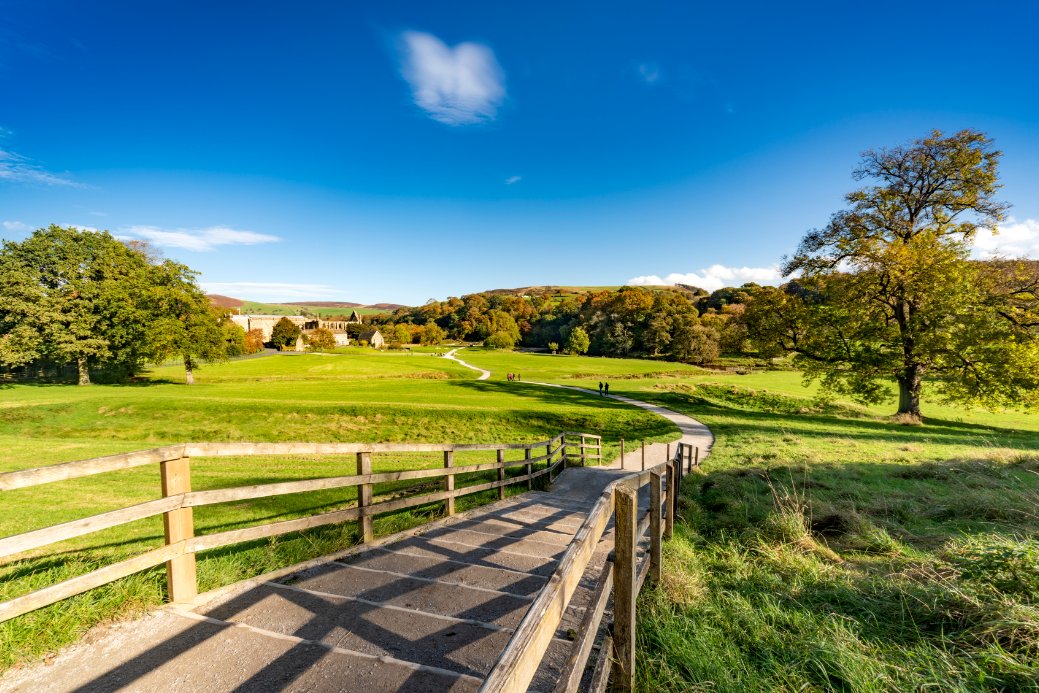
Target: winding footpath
<point x="693" y="432"/>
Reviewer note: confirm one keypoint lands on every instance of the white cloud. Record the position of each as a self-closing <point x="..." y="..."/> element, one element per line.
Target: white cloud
<point x="199" y="239"/>
<point x="649" y="72"/>
<point x="271" y="290"/>
<point x="16" y="226"/>
<point x="512" y="180"/>
<point x="713" y="277"/>
<point x="1014" y="239"/>
<point x="15" y="168"/>
<point x="456" y="86"/>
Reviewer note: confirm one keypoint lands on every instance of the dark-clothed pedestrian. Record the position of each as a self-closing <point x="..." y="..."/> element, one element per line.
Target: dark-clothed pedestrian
<point x="600" y="388"/>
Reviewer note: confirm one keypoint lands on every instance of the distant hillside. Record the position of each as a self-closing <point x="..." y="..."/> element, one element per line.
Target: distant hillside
<point x="564" y="291"/>
<point x="322" y="309"/>
<point x="225" y="301"/>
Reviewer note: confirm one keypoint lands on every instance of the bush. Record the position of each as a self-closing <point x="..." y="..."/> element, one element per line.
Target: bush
<point x="321" y="339"/>
<point x="500" y="340"/>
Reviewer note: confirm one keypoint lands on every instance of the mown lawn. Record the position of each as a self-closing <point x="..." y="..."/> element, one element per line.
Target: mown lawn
<point x="351" y="397"/>
<point x="824" y="547"/>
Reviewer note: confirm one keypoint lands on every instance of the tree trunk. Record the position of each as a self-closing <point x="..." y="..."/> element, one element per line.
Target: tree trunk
<point x="909" y="393"/>
<point x="84" y="372"/>
<point x="189" y="371"/>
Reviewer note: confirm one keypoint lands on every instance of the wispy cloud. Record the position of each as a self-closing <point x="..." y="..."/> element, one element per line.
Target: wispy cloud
<point x="15" y="168"/>
<point x="16" y="227"/>
<point x="714" y="277"/>
<point x="272" y="290"/>
<point x="198" y="239"/>
<point x="512" y="180"/>
<point x="649" y="72"/>
<point x="1014" y="239"/>
<point x="456" y="86"/>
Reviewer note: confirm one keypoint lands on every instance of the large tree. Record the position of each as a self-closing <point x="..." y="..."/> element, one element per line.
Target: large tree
<point x="888" y="293"/>
<point x="71" y="296"/>
<point x="182" y="322"/>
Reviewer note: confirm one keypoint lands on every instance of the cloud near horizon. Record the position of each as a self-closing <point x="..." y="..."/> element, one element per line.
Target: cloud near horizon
<point x="201" y="240"/>
<point x="456" y="86"/>
<point x="714" y="277"/>
<point x="1014" y="239"/>
<point x="272" y="291"/>
<point x="16" y="226"/>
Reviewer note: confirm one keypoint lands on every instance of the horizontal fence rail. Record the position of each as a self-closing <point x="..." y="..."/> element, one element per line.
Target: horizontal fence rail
<point x="178" y="501"/>
<point x="622" y="578"/>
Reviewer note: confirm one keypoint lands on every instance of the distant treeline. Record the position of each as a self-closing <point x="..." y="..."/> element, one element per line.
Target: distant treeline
<point x="677" y="324"/>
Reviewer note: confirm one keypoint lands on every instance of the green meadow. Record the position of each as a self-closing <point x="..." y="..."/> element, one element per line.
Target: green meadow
<point x="821" y="547"/>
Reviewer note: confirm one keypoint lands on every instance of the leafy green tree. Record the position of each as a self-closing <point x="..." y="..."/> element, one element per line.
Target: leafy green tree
<point x="71" y="296"/>
<point x="321" y="339"/>
<point x="234" y="337"/>
<point x="553" y="347"/>
<point x="285" y="333"/>
<point x="431" y="334"/>
<point x="183" y="323"/>
<point x="400" y="334"/>
<point x="693" y="342"/>
<point x="577" y="342"/>
<point x="888" y="292"/>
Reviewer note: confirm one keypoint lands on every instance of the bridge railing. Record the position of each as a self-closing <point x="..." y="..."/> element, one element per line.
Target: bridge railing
<point x="622" y="578"/>
<point x="178" y="501"/>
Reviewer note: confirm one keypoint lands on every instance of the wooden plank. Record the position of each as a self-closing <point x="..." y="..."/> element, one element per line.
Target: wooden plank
<point x="601" y="674"/>
<point x="626" y="504"/>
<point x="669" y="509"/>
<point x="654" y="526"/>
<point x="179" y="527"/>
<point x="530" y="470"/>
<point x="573" y="670"/>
<point x="235" y="536"/>
<point x="449" y="482"/>
<point x="82" y="583"/>
<point x="501" y="474"/>
<point x="640" y="577"/>
<point x="96" y="465"/>
<point x="622" y="453"/>
<point x="515" y="668"/>
<point x="27" y="541"/>
<point x="364" y="497"/>
<point x="275" y="449"/>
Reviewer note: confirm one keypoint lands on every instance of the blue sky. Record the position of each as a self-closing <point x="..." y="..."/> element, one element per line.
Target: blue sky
<point x="406" y="151"/>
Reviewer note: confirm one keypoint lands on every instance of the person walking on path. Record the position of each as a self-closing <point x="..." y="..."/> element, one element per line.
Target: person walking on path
<point x="607" y="389"/>
<point x="600" y="388"/>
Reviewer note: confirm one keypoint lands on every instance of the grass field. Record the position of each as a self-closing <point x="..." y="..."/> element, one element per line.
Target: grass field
<point x="823" y="547"/>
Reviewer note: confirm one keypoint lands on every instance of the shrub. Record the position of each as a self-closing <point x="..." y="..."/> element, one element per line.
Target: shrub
<point x="285" y="333"/>
<point x="254" y="341"/>
<point x="500" y="340"/>
<point x="321" y="339"/>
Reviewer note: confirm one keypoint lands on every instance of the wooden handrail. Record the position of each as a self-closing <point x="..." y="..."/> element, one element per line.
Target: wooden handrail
<point x="515" y="668"/>
<point x="176" y="506"/>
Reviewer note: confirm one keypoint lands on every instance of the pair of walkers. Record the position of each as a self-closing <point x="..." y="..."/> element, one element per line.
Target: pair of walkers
<point x="604" y="388"/>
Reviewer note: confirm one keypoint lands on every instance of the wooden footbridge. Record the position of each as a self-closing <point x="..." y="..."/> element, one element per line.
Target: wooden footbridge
<point x="508" y="597"/>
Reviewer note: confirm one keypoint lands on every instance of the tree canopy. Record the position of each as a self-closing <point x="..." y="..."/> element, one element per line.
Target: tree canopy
<point x="887" y="290"/>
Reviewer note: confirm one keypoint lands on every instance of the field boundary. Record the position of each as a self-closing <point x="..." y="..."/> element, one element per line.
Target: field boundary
<point x="178" y="500"/>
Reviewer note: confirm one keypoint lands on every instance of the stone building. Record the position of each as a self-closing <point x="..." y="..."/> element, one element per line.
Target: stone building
<point x="373" y="337"/>
<point x="266" y="323"/>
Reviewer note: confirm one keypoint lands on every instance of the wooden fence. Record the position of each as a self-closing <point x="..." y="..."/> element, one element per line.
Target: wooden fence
<point x="178" y="500"/>
<point x="622" y="577"/>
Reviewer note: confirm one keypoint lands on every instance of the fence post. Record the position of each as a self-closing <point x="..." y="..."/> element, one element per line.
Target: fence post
<point x="668" y="452"/>
<point x="501" y="473"/>
<point x="697" y="462"/>
<point x="530" y="468"/>
<point x="669" y="514"/>
<point x="643" y="454"/>
<point x="598" y="449"/>
<point x="548" y="456"/>
<point x="449" y="482"/>
<point x="673" y="497"/>
<point x="622" y="453"/>
<point x="178" y="526"/>
<point x="584" y="461"/>
<point x="654" y="526"/>
<point x="626" y="508"/>
<point x="364" y="498"/>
